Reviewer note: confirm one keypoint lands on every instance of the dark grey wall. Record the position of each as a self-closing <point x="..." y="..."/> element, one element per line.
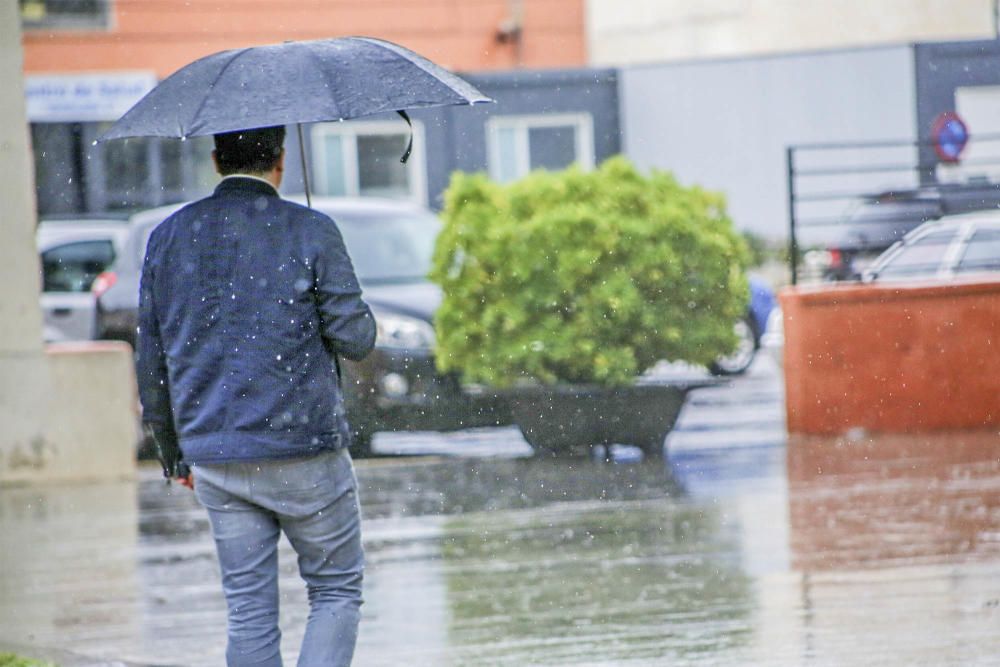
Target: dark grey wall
<point x="455" y="137"/>
<point x="59" y="183"/>
<point x="941" y="68"/>
<point x="725" y="124"/>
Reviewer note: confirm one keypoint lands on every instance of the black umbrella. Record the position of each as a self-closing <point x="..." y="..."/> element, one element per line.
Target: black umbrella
<point x="294" y="82"/>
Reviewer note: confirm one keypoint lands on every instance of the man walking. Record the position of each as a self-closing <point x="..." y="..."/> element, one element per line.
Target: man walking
<point x="246" y="301"/>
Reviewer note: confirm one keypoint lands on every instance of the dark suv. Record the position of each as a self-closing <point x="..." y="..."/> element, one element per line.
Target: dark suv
<point x="397" y="387"/>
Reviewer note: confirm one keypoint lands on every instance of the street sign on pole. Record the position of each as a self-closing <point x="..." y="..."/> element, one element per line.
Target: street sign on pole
<point x="949" y="135"/>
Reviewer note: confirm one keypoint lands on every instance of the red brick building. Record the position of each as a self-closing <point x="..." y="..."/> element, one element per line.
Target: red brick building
<point x="163" y="35"/>
<point x="88" y="61"/>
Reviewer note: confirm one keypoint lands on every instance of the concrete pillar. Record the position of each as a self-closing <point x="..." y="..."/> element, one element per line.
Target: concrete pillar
<point x="24" y="378"/>
<point x="20" y="318"/>
<point x="64" y="413"/>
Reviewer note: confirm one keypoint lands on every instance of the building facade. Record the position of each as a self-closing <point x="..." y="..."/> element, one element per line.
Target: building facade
<point x="723" y="123"/>
<point x="864" y="119"/>
<point x="87" y="61"/>
<point x="541" y="119"/>
<point x="656" y="31"/>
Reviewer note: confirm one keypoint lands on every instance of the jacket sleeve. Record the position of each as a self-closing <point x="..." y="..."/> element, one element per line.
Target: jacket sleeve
<point x="154" y="384"/>
<point x="151" y="361"/>
<point x="346" y="321"/>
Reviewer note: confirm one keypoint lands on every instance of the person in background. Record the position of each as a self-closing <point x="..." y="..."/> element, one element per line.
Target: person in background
<point x="246" y="302"/>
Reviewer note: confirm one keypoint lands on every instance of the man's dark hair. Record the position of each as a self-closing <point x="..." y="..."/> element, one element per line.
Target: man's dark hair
<point x="253" y="151"/>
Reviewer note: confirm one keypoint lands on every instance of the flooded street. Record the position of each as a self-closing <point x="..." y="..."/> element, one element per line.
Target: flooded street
<point x="744" y="548"/>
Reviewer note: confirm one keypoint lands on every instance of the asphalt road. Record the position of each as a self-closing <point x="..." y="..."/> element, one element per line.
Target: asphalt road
<point x="743" y="548"/>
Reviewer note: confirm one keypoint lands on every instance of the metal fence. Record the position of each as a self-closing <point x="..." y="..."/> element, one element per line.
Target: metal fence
<point x="860" y="197"/>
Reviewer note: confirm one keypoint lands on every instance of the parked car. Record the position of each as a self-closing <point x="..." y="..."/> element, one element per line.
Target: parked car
<point x="397" y="387"/>
<point x="749" y="331"/>
<point x="878" y="220"/>
<point x="956" y="246"/>
<point x="73" y="252"/>
<point x="117" y="289"/>
<point x="951" y="248"/>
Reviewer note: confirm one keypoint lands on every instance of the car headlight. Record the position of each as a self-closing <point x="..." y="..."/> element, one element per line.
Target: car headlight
<point x="402" y="332"/>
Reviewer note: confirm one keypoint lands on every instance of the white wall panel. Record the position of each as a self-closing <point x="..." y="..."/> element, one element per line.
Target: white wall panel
<point x="725" y="124"/>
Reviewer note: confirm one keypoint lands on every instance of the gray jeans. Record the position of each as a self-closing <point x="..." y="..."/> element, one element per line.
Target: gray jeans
<point x="314" y="501"/>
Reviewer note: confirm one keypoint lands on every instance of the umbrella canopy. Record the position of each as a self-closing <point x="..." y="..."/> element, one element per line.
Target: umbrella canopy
<point x="294" y="82"/>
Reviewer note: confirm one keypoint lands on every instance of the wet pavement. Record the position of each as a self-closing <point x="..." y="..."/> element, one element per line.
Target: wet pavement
<point x="744" y="548"/>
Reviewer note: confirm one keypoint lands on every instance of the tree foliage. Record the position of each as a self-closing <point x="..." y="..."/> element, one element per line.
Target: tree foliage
<point x="584" y="277"/>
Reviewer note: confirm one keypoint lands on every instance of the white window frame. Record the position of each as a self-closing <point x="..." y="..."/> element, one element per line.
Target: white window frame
<point x="582" y="122"/>
<point x="416" y="166"/>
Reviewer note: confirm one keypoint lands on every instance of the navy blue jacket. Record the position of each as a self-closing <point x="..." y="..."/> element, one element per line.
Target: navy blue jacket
<point x="244" y="299"/>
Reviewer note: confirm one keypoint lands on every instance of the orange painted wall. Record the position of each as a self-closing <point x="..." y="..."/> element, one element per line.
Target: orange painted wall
<point x="892" y="359"/>
<point x="163" y="35"/>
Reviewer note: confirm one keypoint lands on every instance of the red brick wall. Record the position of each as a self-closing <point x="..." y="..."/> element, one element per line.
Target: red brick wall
<point x="163" y="35"/>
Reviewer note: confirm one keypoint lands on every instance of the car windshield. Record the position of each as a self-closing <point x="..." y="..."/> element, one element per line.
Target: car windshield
<point x="390" y="248"/>
<point x="920" y="258"/>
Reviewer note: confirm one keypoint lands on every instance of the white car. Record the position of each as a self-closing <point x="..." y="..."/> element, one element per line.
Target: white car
<point x="950" y="248"/>
<point x="73" y="254"/>
<point x="956" y="246"/>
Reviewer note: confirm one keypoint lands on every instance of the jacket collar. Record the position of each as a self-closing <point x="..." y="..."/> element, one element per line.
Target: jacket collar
<point x="238" y="183"/>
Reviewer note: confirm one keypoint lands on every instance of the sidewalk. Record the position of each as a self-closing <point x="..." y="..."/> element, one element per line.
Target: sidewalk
<point x="736" y="550"/>
<point x="63" y="658"/>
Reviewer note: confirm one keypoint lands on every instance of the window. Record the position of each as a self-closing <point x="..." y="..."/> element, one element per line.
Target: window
<point x="126" y="167"/>
<point x="982" y="253"/>
<point x="521" y="144"/>
<point x="64" y="13"/>
<point x="73" y="175"/>
<point x="73" y="267"/>
<point x="143" y="172"/>
<point x="362" y="159"/>
<point x="921" y="258"/>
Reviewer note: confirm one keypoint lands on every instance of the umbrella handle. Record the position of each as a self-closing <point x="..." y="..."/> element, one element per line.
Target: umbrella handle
<point x="409" y="147"/>
<point x="305" y="167"/>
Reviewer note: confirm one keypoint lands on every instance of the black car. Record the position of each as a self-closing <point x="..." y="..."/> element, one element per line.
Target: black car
<point x="397" y="387"/>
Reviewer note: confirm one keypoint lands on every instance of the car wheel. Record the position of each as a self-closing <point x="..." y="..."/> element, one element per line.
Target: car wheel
<point x="740" y="359"/>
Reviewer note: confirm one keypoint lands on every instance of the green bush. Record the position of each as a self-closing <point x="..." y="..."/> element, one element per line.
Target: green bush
<point x="11" y="660"/>
<point x="584" y="277"/>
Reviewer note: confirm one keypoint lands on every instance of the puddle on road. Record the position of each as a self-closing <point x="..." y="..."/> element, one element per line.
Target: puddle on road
<point x="457" y="486"/>
<point x="848" y="554"/>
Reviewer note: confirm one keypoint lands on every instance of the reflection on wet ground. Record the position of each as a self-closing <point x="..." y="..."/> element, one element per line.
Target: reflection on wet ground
<point x="740" y="550"/>
<point x="879" y="501"/>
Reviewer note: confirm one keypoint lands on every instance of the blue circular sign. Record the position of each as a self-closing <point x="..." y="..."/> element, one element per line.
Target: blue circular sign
<point x="950" y="136"/>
